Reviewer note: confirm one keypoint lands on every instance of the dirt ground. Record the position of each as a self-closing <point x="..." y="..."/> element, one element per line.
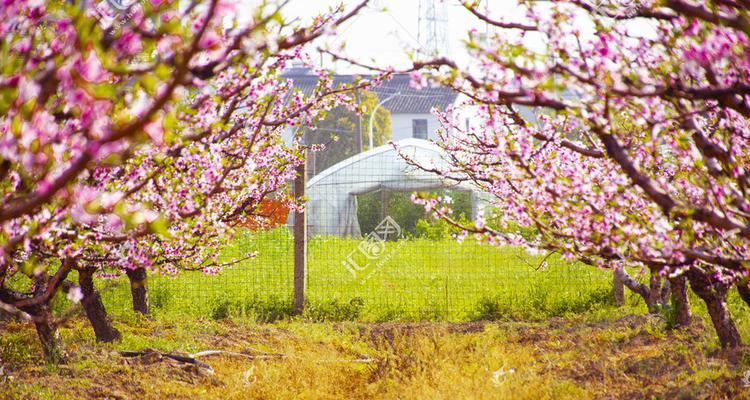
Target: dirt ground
<point x="627" y="358"/>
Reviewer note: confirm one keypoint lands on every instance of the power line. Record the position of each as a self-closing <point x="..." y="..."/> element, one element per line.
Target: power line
<point x="416" y="40"/>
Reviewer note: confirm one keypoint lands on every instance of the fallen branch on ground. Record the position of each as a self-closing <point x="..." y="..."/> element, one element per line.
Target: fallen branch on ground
<point x="185" y="359"/>
<point x="207" y="353"/>
<point x="192" y="358"/>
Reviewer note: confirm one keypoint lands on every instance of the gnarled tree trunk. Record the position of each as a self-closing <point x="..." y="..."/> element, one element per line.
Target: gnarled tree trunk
<point x="665" y="291"/>
<point x="45" y="329"/>
<point x="49" y="336"/>
<point x="714" y="294"/>
<point x="680" y="301"/>
<point x="743" y="288"/>
<point x="139" y="290"/>
<point x="94" y="308"/>
<point x="653" y="294"/>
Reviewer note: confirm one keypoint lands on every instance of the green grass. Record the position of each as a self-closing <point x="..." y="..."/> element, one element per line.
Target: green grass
<point x="596" y="350"/>
<point x="414" y="279"/>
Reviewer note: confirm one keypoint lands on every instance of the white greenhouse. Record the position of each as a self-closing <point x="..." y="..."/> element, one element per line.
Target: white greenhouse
<point x="332" y="194"/>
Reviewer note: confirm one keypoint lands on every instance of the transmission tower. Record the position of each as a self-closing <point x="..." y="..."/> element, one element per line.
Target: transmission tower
<point x="433" y="27"/>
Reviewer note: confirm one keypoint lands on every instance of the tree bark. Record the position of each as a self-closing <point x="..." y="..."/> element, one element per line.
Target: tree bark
<point x="654" y="292"/>
<point x="4" y="316"/>
<point x="49" y="337"/>
<point x="743" y="288"/>
<point x="683" y="316"/>
<point x="637" y="287"/>
<point x="618" y="286"/>
<point x="714" y="294"/>
<point x="666" y="291"/>
<point x="94" y="308"/>
<point x="139" y="290"/>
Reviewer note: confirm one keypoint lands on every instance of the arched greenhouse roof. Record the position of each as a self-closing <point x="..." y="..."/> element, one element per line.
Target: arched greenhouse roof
<point x="332" y="201"/>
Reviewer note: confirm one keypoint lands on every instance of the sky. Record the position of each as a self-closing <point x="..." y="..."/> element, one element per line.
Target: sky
<point x="388" y="29"/>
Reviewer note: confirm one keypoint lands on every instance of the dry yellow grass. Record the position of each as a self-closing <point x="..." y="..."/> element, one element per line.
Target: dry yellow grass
<point x="628" y="357"/>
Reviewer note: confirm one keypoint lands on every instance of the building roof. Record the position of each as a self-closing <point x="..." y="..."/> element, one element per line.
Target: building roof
<point x="408" y="100"/>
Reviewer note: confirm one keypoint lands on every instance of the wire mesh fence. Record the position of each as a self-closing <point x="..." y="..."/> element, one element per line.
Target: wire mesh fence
<point x="374" y="255"/>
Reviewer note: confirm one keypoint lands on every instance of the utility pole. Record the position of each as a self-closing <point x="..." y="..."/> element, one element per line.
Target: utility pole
<point x="358" y="133"/>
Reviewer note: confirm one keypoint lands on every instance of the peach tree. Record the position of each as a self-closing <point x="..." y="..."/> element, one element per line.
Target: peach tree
<point x="134" y="136"/>
<point x="613" y="135"/>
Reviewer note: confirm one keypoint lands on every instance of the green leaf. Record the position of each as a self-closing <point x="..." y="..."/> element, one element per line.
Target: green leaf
<point x="150" y="82"/>
<point x="15" y="125"/>
<point x="103" y="91"/>
<point x="160" y="227"/>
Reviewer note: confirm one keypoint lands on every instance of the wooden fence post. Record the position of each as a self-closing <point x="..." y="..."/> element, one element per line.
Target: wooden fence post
<point x="300" y="242"/>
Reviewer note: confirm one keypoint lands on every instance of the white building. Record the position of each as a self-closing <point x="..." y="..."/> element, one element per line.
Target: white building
<point x="410" y="108"/>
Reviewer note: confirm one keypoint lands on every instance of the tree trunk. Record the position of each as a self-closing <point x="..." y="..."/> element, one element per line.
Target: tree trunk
<point x="666" y="291"/>
<point x="49" y="336"/>
<point x="618" y="286"/>
<point x="714" y="294"/>
<point x="743" y="288"/>
<point x="680" y="301"/>
<point x="654" y="293"/>
<point x="632" y="284"/>
<point x="139" y="290"/>
<point x="4" y="316"/>
<point x="94" y="308"/>
<point x="41" y="313"/>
